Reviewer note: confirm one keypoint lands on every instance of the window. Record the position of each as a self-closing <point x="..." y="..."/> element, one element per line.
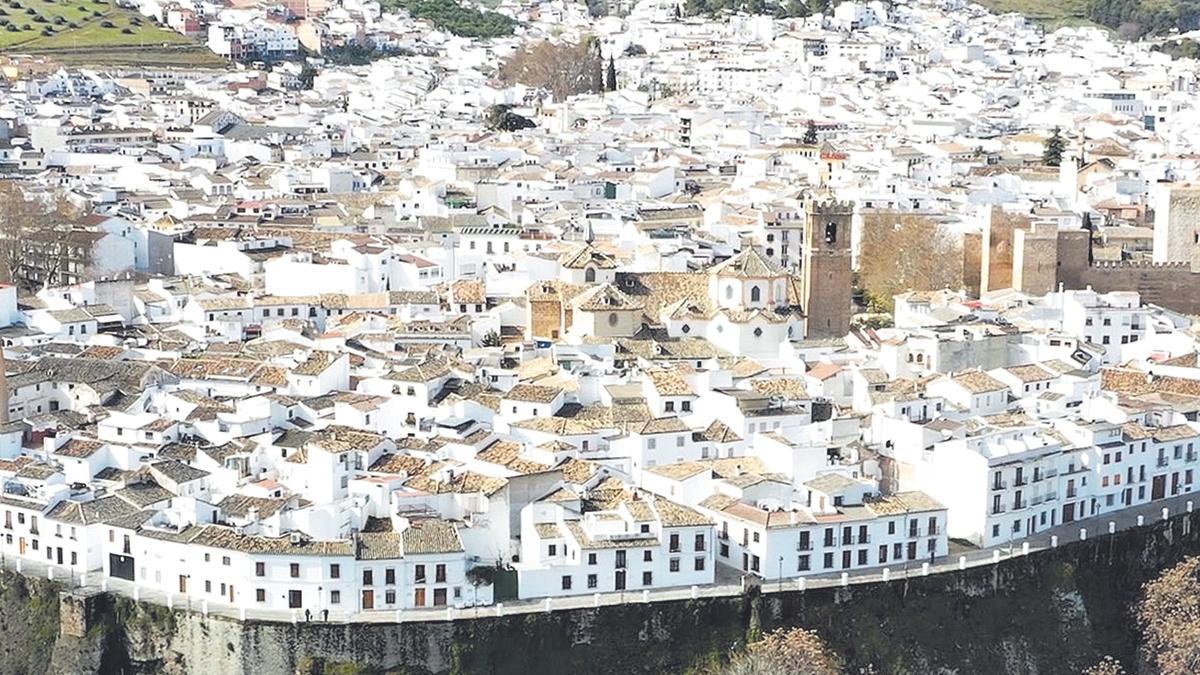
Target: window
<point x="225" y="560"/>
<point x="439" y="575"/>
<point x="674" y="542"/>
<point x="673" y="564"/>
<point x="700" y="541"/>
<point x="592" y="581"/>
<point x="647" y="578"/>
<point x="335" y="571"/>
<point x="260" y="569"/>
<point x="552" y="550"/>
<point x="389" y="597"/>
<point x="368" y="577"/>
<point x="335" y="597"/>
<point x="647" y="556"/>
<point x="828" y="561"/>
<point x="566" y="582"/>
<point x="419" y="574"/>
<point x="591" y="558"/>
<point x="389" y="576"/>
<point x="260" y="594"/>
<point x="755" y="294"/>
<point x="699" y="563"/>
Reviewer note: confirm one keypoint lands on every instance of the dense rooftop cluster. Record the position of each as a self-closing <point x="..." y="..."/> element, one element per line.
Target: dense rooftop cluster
<point x="347" y="349"/>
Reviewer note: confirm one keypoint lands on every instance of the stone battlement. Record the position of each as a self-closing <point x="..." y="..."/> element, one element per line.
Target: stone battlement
<point x="830" y="207"/>
<point x="1139" y="265"/>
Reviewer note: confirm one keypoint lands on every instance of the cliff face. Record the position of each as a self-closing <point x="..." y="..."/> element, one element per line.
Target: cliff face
<point x="1053" y="612"/>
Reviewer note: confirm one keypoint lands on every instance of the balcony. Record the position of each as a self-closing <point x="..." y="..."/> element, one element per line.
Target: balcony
<point x="914" y="533"/>
<point x="1020" y="481"/>
<point x="1162" y="461"/>
<point x="723" y="536"/>
<point x="1071" y="494"/>
<point x="1050" y="473"/>
<point x="996" y="510"/>
<point x="804" y="546"/>
<point x="1023" y="504"/>
<point x="999" y="484"/>
<point x="1051" y="496"/>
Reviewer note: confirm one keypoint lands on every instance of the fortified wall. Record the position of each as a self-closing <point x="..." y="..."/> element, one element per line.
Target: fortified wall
<point x="1030" y="258"/>
<point x="1056" y="611"/>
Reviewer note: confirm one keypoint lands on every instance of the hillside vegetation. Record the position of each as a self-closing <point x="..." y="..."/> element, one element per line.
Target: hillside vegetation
<point x="1131" y="19"/>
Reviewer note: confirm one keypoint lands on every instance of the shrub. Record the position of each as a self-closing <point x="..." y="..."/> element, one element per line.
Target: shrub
<point x="107" y="24"/>
<point x="127" y="31"/>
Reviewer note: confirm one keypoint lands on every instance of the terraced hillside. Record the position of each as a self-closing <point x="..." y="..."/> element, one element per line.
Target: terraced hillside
<point x="95" y="32"/>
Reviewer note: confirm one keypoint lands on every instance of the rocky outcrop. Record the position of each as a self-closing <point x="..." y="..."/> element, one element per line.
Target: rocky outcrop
<point x="1053" y="612"/>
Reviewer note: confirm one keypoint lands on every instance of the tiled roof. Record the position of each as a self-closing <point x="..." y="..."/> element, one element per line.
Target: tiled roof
<point x="430" y="535"/>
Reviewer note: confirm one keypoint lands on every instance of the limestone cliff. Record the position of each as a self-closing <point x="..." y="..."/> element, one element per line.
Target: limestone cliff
<point x="1054" y="612"/>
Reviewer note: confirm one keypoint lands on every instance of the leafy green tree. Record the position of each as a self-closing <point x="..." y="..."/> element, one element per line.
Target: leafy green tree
<point x="456" y="18"/>
<point x="810" y="133"/>
<point x="795" y="8"/>
<point x="610" y="75"/>
<point x="492" y="339"/>
<point x="307" y="75"/>
<point x="1052" y="155"/>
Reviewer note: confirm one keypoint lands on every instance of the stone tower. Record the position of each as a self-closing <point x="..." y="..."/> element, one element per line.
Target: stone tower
<point x="825" y="272"/>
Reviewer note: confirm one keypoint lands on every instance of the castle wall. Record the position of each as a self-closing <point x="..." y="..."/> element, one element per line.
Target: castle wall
<point x="1171" y="285"/>
<point x="972" y="244"/>
<point x="1177" y="223"/>
<point x="1035" y="259"/>
<point x="1072" y="258"/>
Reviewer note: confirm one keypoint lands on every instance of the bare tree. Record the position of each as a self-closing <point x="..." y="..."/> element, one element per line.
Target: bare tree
<point x="39" y="240"/>
<point x="796" y="652"/>
<point x="563" y="68"/>
<point x="902" y="252"/>
<point x="1169" y="616"/>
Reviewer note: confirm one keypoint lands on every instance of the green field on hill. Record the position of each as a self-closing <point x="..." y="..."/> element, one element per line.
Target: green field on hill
<point x="95" y="32"/>
<point x="1050" y="14"/>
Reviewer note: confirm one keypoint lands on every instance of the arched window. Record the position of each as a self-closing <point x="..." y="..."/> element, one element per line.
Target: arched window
<point x="831" y="232"/>
<point x="755" y="294"/>
<point x="589" y="275"/>
<point x="612" y="319"/>
<point x="729" y="292"/>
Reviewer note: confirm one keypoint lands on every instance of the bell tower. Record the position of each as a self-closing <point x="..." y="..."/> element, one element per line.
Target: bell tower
<point x="825" y="274"/>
